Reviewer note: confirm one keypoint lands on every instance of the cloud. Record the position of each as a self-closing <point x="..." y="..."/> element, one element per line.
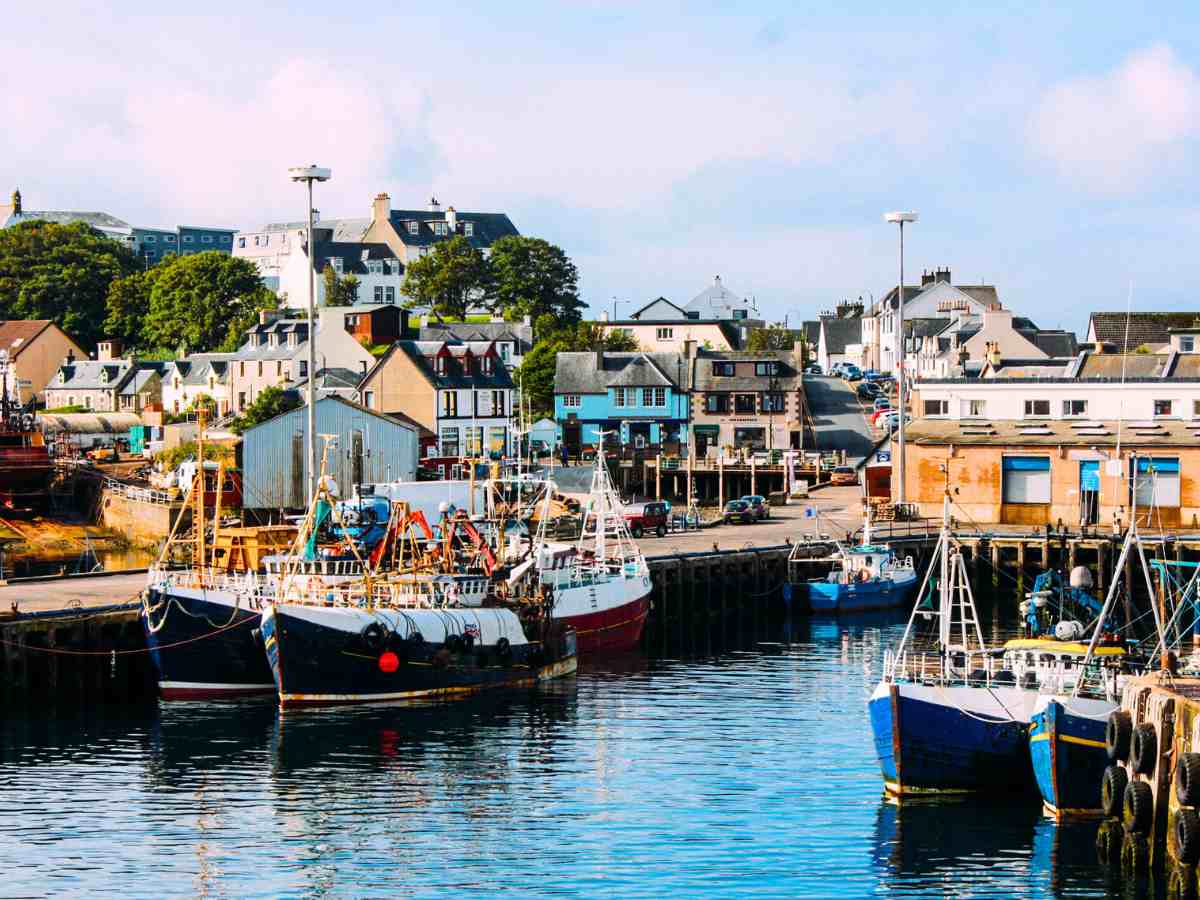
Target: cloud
<point x="1115" y="132"/>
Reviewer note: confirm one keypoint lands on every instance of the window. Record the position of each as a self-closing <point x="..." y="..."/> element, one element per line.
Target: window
<point x="741" y="313"/>
<point x="571" y="401"/>
<point x="1163" y="407"/>
<point x="724" y="369"/>
<point x="474" y="440"/>
<point x="772" y="403"/>
<point x="497" y="403"/>
<point x="225" y="239"/>
<point x="1026" y="479"/>
<point x="1156" y="482"/>
<point x="150" y="254"/>
<point x="486" y="365"/>
<point x="242" y="369"/>
<point x="336" y="263"/>
<point x="505" y="349"/>
<point x="1037" y="407"/>
<point x="378" y="294"/>
<point x="279" y="369"/>
<point x="206" y="239"/>
<point x="87" y="401"/>
<point x="439" y="228"/>
<point x="716" y="403"/>
<point x="469" y="229"/>
<point x="743" y="403"/>
<point x="187" y="239"/>
<point x="304" y="368"/>
<point x="149" y="239"/>
<point x="619" y="397"/>
<point x="1074" y="408"/>
<point x="389" y="295"/>
<point x="664" y="334"/>
<point x="374" y="267"/>
<point x="449" y="440"/>
<point x="1187" y="344"/>
<point x="974" y="409"/>
<point x="170" y="239"/>
<point x="497" y="439"/>
<point x="241" y="242"/>
<point x="936" y="408"/>
<point x="1196" y="409"/>
<point x="654" y="397"/>
<point x="412" y="227"/>
<point x="766" y="368"/>
<point x="369" y="399"/>
<point x="241" y="400"/>
<point x="449" y="403"/>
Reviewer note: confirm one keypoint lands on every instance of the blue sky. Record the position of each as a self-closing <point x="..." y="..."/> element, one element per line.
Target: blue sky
<point x="1052" y="153"/>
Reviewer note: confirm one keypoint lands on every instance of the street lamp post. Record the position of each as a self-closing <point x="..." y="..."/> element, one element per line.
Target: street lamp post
<point x="616" y="303"/>
<point x="900" y="218"/>
<point x="309" y="174"/>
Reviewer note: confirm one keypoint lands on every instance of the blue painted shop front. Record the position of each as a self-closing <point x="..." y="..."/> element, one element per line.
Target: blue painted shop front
<point x="641" y="417"/>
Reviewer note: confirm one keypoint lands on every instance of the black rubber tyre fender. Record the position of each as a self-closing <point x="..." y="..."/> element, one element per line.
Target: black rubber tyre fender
<point x="1187" y="779"/>
<point x="1181" y="883"/>
<point x="374" y="636"/>
<point x="1117" y="735"/>
<point x="1187" y="836"/>
<point x="1143" y="748"/>
<point x="1112" y="790"/>
<point x="1137" y="812"/>
<point x="1108" y="843"/>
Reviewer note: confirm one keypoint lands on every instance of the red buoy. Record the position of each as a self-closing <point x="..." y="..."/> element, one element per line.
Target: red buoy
<point x="388" y="662"/>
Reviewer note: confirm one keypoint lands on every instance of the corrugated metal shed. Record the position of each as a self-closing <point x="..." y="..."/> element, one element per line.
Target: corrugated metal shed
<point x="88" y="423"/>
<point x="370" y="448"/>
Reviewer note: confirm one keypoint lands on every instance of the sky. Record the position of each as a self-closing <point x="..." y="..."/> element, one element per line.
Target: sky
<point x="1052" y="153"/>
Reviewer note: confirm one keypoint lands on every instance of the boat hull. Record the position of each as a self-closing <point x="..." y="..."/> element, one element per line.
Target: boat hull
<point x="204" y="646"/>
<point x="860" y="596"/>
<point x="1066" y="747"/>
<point x="318" y="657"/>
<point x="934" y="739"/>
<point x="608" y="617"/>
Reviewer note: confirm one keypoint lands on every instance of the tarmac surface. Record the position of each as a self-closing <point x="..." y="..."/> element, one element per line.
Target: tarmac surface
<point x="81" y="592"/>
<point x="838" y="417"/>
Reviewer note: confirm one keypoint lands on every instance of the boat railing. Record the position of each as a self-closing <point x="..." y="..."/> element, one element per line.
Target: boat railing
<point x="981" y="668"/>
<point x="140" y="494"/>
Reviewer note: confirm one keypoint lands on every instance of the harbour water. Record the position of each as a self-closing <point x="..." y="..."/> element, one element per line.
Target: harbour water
<point x="743" y="771"/>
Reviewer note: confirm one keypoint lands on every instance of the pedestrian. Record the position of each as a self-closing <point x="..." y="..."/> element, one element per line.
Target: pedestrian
<point x="563" y="455"/>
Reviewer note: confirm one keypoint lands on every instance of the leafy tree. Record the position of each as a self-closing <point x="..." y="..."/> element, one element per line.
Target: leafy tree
<point x="61" y="273"/>
<point x="203" y="301"/>
<point x="448" y="281"/>
<point x="126" y="306"/>
<point x="773" y="337"/>
<point x="532" y="277"/>
<point x="270" y="402"/>
<point x="340" y="291"/>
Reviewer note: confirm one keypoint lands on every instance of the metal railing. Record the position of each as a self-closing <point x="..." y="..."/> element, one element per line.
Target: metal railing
<point x="140" y="494"/>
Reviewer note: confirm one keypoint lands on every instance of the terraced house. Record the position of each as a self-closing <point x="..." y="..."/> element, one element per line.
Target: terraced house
<point x="107" y="383"/>
<point x="751" y="401"/>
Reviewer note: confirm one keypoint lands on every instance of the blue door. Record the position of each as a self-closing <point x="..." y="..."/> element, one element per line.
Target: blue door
<point x="1089" y="492"/>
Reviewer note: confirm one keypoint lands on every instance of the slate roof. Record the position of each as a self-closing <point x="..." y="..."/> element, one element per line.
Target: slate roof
<point x="577" y="373"/>
<point x="334" y="378"/>
<point x="354" y="255"/>
<point x="1055" y="343"/>
<point x="636" y="314"/>
<point x="100" y="220"/>
<point x="716" y="302"/>
<point x="195" y="369"/>
<point x="840" y="332"/>
<point x="1150" y="328"/>
<point x="487" y="227"/>
<point x="812" y="332"/>
<point x="519" y="332"/>
<point x="1132" y="365"/>
<point x="420" y="352"/>
<point x="1007" y="433"/>
<point x="925" y="327"/>
<point x="105" y="375"/>
<point x="705" y="380"/>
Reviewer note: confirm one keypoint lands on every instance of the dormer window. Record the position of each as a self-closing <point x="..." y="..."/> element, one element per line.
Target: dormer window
<point x="413" y="227"/>
<point x="469" y="229"/>
<point x="439" y="228"/>
<point x="336" y="263"/>
<point x="375" y="267"/>
<point x="104" y="376"/>
<point x="725" y="369"/>
<point x="441" y="365"/>
<point x="487" y="365"/>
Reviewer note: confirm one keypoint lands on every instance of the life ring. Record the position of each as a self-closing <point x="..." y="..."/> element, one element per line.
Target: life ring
<point x="374" y="636"/>
<point x="864" y="575"/>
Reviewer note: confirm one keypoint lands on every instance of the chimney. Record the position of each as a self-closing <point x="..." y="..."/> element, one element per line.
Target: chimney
<point x="434" y="206"/>
<point x="689" y="348"/>
<point x="381" y="207"/>
<point x="993" y="353"/>
<point x="452" y="219"/>
<point x="70" y="356"/>
<point x="942" y="275"/>
<point x="963" y="356"/>
<point x="16" y="201"/>
<point x="106" y="351"/>
<point x="926" y="278"/>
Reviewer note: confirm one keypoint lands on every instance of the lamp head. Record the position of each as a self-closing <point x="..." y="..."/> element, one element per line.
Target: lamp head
<point x="900" y="217"/>
<point x="309" y="173"/>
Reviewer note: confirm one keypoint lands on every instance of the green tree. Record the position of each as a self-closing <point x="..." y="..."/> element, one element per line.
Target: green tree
<point x="270" y="402"/>
<point x="448" y="281"/>
<point x="204" y="301"/>
<point x="126" y="306"/>
<point x="532" y="277"/>
<point x="536" y="374"/>
<point x="61" y="273"/>
<point x="773" y="337"/>
<point x="340" y="291"/>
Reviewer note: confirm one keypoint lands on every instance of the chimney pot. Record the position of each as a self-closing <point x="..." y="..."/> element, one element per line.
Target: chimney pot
<point x="381" y="207"/>
<point x="434" y="206"/>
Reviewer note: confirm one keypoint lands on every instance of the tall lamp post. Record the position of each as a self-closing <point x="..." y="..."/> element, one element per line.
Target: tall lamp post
<point x="900" y="218"/>
<point x="309" y="174"/>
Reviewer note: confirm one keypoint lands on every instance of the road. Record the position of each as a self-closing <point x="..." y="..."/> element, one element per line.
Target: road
<point x="838" y="417"/>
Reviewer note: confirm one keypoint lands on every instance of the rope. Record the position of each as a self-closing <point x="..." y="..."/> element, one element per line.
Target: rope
<point x="63" y="652"/>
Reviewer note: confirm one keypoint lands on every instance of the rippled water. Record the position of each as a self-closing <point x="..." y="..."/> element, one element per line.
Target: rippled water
<point x="749" y="771"/>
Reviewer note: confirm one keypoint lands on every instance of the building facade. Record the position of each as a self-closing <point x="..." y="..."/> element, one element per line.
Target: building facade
<point x="108" y="383"/>
<point x="512" y="339"/>
<point x="35" y="349"/>
<point x="752" y="401"/>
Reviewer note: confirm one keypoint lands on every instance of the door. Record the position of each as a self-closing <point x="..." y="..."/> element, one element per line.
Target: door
<point x="639" y="435"/>
<point x="1089" y="492"/>
<point x="572" y="438"/>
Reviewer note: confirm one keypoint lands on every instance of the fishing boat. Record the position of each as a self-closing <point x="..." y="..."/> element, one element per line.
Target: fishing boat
<point x="407" y="632"/>
<point x="25" y="466"/>
<point x="600" y="586"/>
<point x="863" y="578"/>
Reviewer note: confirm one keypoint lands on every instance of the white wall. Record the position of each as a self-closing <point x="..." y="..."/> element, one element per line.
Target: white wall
<point x="1107" y="401"/>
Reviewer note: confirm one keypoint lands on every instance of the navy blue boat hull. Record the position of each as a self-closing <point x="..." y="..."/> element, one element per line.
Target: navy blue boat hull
<point x="205" y="650"/>
<point x="928" y="742"/>
<point x="313" y="664"/>
<point x="1068" y="756"/>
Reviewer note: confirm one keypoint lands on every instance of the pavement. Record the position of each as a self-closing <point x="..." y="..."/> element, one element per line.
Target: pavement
<point x="838" y="417"/>
<point x="82" y="592"/>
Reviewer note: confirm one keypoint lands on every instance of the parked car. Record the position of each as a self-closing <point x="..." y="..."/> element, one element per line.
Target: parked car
<point x="836" y="369"/>
<point x="813" y="369"/>
<point x="759" y="505"/>
<point x="882" y="403"/>
<point x="879" y="415"/>
<point x="643" y="517"/>
<point x="737" y="511"/>
<point x="852" y="373"/>
<point x="867" y="391"/>
<point x="874" y="375"/>
<point x="843" y="475"/>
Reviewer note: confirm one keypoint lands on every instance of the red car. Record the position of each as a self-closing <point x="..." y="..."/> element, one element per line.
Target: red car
<point x="643" y="517"/>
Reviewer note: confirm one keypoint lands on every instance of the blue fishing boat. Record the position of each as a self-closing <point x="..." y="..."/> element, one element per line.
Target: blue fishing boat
<point x="1066" y="746"/>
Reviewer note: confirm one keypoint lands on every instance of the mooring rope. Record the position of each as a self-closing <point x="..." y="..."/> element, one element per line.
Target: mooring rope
<point x="64" y="652"/>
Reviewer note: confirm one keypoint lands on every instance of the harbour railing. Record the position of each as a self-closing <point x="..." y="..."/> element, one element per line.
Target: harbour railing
<point x="140" y="494"/>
